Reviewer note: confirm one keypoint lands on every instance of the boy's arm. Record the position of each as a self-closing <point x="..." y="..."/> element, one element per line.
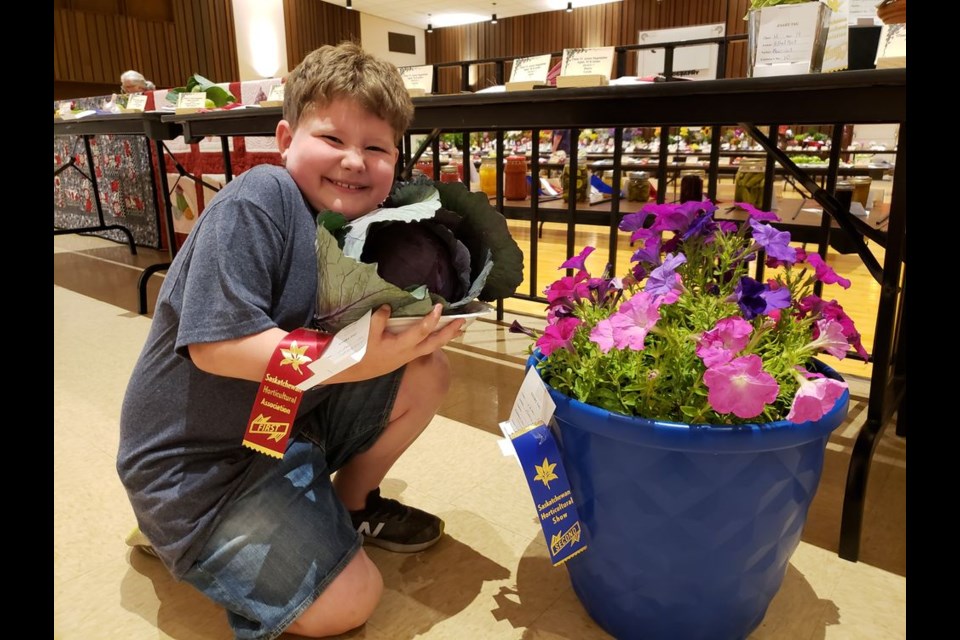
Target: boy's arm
<point x="247" y="357"/>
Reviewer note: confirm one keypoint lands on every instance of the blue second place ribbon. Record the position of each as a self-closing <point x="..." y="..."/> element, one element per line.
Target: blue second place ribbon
<point x="543" y="469"/>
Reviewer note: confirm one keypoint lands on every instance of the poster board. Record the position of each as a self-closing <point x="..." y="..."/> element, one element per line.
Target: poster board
<point x="697" y="62"/>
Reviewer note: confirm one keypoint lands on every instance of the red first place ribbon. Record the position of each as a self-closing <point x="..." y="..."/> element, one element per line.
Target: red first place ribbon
<point x="278" y="398"/>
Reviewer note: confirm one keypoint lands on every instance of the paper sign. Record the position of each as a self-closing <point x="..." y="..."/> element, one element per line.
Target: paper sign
<point x="787" y="36"/>
<point x="586" y="62"/>
<point x="346" y="349"/>
<point x="137" y="102"/>
<point x="835" y="56"/>
<point x="532" y="69"/>
<point x="65" y="108"/>
<point x="892" y="47"/>
<point x="533" y="403"/>
<point x="418" y="77"/>
<point x="194" y="100"/>
<point x="276" y="93"/>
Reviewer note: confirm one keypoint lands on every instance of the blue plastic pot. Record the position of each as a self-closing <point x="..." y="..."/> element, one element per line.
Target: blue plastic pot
<point x="689" y="528"/>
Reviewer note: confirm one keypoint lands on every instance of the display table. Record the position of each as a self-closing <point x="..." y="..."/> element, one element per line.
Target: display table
<point x="149" y="125"/>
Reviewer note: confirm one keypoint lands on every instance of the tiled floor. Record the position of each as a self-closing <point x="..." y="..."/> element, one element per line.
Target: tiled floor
<point x="488" y="578"/>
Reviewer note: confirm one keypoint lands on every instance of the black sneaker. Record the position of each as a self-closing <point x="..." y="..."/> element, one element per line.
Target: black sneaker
<point x="396" y="527"/>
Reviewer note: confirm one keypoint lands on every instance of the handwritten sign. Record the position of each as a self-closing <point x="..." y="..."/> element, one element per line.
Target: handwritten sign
<point x="137" y="102"/>
<point x="835" y="56"/>
<point x="418" y="77"/>
<point x="276" y="93"/>
<point x="786" y="38"/>
<point x="532" y="69"/>
<point x="586" y="62"/>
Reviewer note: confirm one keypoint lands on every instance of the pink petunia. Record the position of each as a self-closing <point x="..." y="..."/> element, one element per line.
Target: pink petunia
<point x="815" y="398"/>
<point x="578" y="261"/>
<point x="634" y="320"/>
<point x="602" y="335"/>
<point x="558" y="336"/>
<point x="740" y="387"/>
<point x="720" y="344"/>
<point x="830" y="338"/>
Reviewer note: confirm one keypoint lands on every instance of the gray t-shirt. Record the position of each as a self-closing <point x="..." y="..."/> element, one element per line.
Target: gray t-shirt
<point x="249" y="265"/>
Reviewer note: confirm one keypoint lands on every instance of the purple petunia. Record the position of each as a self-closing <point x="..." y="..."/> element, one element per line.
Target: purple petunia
<point x="775" y="243"/>
<point x="665" y="278"/>
<point x="578" y="261"/>
<point x="756" y="298"/>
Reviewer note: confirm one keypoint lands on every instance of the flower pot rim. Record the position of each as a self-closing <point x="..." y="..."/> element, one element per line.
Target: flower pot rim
<point x="680" y="436"/>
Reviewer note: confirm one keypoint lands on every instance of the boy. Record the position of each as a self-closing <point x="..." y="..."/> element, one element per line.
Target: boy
<point x="276" y="542"/>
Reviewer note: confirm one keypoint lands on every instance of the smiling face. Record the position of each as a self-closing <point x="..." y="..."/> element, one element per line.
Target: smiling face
<point x="341" y="156"/>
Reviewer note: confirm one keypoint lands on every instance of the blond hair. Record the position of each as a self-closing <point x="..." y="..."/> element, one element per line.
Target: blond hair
<point x="346" y="71"/>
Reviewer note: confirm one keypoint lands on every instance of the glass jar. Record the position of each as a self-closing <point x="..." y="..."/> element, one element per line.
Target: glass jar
<point x="426" y="167"/>
<point x="488" y="176"/>
<point x="583" y="182"/>
<point x="638" y="187"/>
<point x="691" y="186"/>
<point x="515" y="178"/>
<point x="449" y="174"/>
<point x="749" y="181"/>
<point x="861" y="189"/>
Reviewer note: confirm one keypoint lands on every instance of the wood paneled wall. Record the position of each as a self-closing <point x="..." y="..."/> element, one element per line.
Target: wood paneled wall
<point x="310" y="24"/>
<point x="94" y="41"/>
<point x="612" y="24"/>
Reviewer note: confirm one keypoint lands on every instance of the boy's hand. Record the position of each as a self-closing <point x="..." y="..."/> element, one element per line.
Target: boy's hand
<point x="388" y="351"/>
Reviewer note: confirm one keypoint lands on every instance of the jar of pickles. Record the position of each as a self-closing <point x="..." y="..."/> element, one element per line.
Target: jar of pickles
<point x="749" y="181"/>
<point x="582" y="182"/>
<point x="488" y="176"/>
<point x="638" y="186"/>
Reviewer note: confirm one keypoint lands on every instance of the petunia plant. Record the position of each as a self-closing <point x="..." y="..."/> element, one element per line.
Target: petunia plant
<point x="688" y="335"/>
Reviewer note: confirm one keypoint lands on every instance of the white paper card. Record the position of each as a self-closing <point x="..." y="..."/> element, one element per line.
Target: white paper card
<point x="587" y="62"/>
<point x="345" y="349"/>
<point x="835" y="56"/>
<point x="276" y="93"/>
<point x="418" y="77"/>
<point x="137" y="102"/>
<point x="533" y="403"/>
<point x="65" y="107"/>
<point x="532" y="69"/>
<point x="193" y="100"/>
<point x="863" y="10"/>
<point x="786" y="37"/>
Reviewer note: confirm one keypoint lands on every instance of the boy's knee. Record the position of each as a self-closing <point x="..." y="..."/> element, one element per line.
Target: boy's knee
<point x="346" y="604"/>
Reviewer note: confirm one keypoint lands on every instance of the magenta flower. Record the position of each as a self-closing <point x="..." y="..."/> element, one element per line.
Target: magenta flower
<point x="833" y="311"/>
<point x="720" y="344"/>
<point x="815" y="398"/>
<point x="578" y="261"/>
<point x="757" y="214"/>
<point x="740" y="387"/>
<point x="558" y="336"/>
<point x="825" y="273"/>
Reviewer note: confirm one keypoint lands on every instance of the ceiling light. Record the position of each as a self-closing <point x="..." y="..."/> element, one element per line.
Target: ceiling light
<point x="429" y="28"/>
<point x="493" y="20"/>
<point x="569" y="7"/>
<point x="349" y="4"/>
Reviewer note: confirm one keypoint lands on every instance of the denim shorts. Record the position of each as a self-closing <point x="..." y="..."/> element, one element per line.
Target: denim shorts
<point x="279" y="544"/>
